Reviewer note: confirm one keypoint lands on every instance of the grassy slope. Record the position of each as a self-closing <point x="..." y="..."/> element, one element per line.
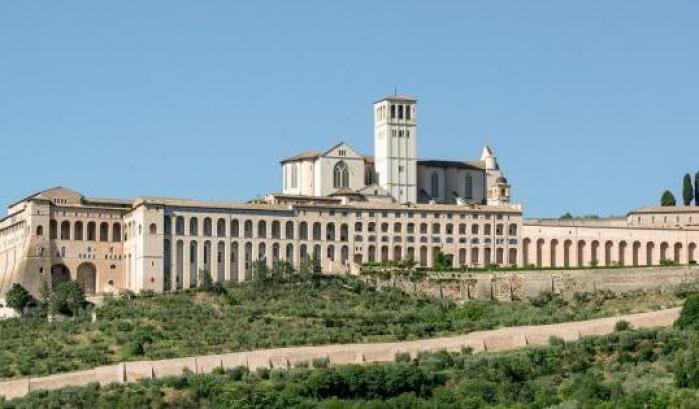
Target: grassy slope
<point x="333" y="310"/>
<point x="629" y="369"/>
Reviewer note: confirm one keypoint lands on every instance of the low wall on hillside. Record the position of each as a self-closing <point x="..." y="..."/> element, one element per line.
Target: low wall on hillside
<point x="285" y="358"/>
<point x="504" y="286"/>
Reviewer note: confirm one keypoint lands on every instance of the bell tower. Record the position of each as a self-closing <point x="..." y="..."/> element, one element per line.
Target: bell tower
<point x="395" y="146"/>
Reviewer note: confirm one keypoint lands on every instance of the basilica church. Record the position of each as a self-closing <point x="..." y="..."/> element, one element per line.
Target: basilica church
<point x="395" y="173"/>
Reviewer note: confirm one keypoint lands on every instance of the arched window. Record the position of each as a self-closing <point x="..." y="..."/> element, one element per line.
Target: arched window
<point x="468" y="187"/>
<point x="340" y="175"/>
<point x="152" y="229"/>
<point x="39" y="230"/>
<point x="435" y="184"/>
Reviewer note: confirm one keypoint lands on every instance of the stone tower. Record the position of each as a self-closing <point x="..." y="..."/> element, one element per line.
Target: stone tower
<point x="395" y="146"/>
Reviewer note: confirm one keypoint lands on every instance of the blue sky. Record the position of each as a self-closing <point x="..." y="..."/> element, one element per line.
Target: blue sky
<point x="591" y="106"/>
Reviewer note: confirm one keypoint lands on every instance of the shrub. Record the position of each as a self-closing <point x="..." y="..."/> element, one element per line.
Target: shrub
<point x="321" y="362"/>
<point x="622" y="325"/>
<point x="17" y="297"/>
<point x="67" y="298"/>
<point x="686" y="367"/>
<point x="402" y="357"/>
<point x="689" y="316"/>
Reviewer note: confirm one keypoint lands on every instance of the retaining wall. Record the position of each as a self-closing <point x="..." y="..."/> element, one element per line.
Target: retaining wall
<point x="479" y="341"/>
<point x="525" y="284"/>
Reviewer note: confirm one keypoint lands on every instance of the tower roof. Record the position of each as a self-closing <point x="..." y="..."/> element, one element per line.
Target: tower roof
<point x="487" y="152"/>
<point x="404" y="98"/>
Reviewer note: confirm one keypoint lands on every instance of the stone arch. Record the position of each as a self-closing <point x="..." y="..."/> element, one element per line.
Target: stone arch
<point x="248" y="258"/>
<point x="275" y="253"/>
<point x="500" y="256"/>
<point x="553" y="253"/>
<point x="330" y="231"/>
<point x="344" y="232"/>
<point x="650" y="249"/>
<point x="635" y="253"/>
<point x="179" y="225"/>
<point x="487" y="259"/>
<point x="262" y="229"/>
<point x="581" y="253"/>
<point x="208" y="227"/>
<point x="384" y="254"/>
<point x="608" y="245"/>
<point x="220" y="261"/>
<point x="207" y="257"/>
<point x="397" y="253"/>
<point x="344" y="254"/>
<point x="116" y="232"/>
<point x="247" y="229"/>
<point x="78" y="230"/>
<point x="262" y="252"/>
<point x="423" y="256"/>
<point x="677" y="253"/>
<point x="221" y="227"/>
<point x="234" y="257"/>
<point x="663" y="251"/>
<point x="411" y="253"/>
<point x="567" y="245"/>
<point x="526" y="245"/>
<point x="167" y="265"/>
<point x="59" y="274"/>
<point x="290" y="253"/>
<point x="235" y="228"/>
<point x="330" y="251"/>
<point x="462" y="257"/>
<point x="276" y="229"/>
<point x="193" y="226"/>
<point x="691" y="253"/>
<point x="512" y="257"/>
<point x="540" y="252"/>
<point x="594" y="253"/>
<point x="104" y="231"/>
<point x="474" y="256"/>
<point x="317" y="253"/>
<point x="316" y="231"/>
<point x="621" y="253"/>
<point x="303" y="231"/>
<point x="179" y="263"/>
<point x="289" y="230"/>
<point x="303" y="253"/>
<point x="87" y="278"/>
<point x="193" y="264"/>
<point x="65" y="230"/>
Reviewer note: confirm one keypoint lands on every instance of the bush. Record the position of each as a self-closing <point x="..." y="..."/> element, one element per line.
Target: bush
<point x="321" y="362"/>
<point x="689" y="317"/>
<point x="622" y="325"/>
<point x="17" y="297"/>
<point x="67" y="298"/>
<point x="686" y="367"/>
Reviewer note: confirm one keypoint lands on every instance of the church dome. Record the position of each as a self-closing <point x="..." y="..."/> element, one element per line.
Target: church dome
<point x="501" y="179"/>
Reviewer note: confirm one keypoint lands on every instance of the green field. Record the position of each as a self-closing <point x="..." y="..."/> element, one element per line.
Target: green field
<point x="249" y="316"/>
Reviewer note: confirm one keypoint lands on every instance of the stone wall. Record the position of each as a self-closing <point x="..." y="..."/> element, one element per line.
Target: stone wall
<point x="285" y="358"/>
<point x="506" y="286"/>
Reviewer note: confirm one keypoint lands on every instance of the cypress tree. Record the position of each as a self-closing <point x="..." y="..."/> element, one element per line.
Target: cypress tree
<point x="687" y="190"/>
<point x="696" y="189"/>
<point x="667" y="199"/>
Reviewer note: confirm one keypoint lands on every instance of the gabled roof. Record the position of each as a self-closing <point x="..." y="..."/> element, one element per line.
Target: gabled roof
<point x="48" y="194"/>
<point x="337" y="145"/>
<point x="307" y="155"/>
<point x="448" y="164"/>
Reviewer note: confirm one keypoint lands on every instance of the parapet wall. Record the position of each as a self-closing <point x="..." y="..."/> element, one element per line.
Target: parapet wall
<point x="506" y="286"/>
<point x="285" y="358"/>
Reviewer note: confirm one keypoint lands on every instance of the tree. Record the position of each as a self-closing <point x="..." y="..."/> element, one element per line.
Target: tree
<point x="696" y="189"/>
<point x="442" y="261"/>
<point x="67" y="298"/>
<point x="687" y="190"/>
<point x="689" y="316"/>
<point x="206" y="282"/>
<point x="667" y="199"/>
<point x="566" y="215"/>
<point x="17" y="297"/>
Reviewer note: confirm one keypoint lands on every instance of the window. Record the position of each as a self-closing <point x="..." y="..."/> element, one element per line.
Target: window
<point x="39" y="230"/>
<point x="408" y="113"/>
<point x="152" y="229"/>
<point x="468" y="187"/>
<point x="340" y="175"/>
<point x="435" y="184"/>
<point x="393" y="111"/>
<point x="294" y="176"/>
<point x="400" y="111"/>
